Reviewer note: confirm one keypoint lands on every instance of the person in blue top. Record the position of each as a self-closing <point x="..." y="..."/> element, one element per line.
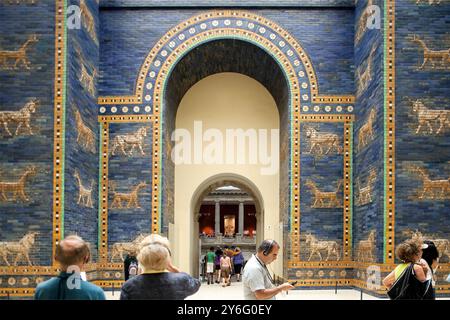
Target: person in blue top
<point x="238" y="261"/>
<point x="72" y="254"/>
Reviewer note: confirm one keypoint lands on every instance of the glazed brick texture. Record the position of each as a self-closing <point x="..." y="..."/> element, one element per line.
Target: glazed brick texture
<point x="127" y="36"/>
<point x="81" y="50"/>
<point x="426" y="150"/>
<point x="326" y="224"/>
<point x="126" y="172"/>
<point x="367" y="157"/>
<point x="229" y="3"/>
<point x="18" y="86"/>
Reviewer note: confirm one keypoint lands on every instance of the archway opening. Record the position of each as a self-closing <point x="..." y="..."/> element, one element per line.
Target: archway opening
<point x="224" y="84"/>
<point x="228" y="215"/>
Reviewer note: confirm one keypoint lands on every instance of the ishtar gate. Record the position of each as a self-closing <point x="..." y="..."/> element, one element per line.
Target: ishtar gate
<point x="322" y="124"/>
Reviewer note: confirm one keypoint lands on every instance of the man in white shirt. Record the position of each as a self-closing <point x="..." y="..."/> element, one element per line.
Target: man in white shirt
<point x="257" y="281"/>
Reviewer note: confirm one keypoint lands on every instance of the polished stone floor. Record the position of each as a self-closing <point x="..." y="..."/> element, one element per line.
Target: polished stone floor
<point x="235" y="292"/>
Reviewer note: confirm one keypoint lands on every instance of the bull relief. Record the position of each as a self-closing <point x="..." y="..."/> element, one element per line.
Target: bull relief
<point x="121" y="248"/>
<point x="20" y="249"/>
<point x="19" y="118"/>
<point x="365" y="249"/>
<point x="126" y="143"/>
<point x="430" y="121"/>
<point x="14" y="59"/>
<point x="322" y="143"/>
<point x="315" y="246"/>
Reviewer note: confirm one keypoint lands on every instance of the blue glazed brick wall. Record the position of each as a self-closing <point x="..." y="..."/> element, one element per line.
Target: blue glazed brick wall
<point x="18" y="86"/>
<point x="367" y="157"/>
<point x="425" y="150"/>
<point x="126" y="172"/>
<point x="81" y="50"/>
<point x="127" y="36"/>
<point x="326" y="224"/>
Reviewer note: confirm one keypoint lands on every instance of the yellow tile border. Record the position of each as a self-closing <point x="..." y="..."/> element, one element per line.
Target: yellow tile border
<point x="59" y="119"/>
<point x="127" y="119"/>
<point x="105" y="122"/>
<point x="389" y="148"/>
<point x="103" y="194"/>
<point x="347" y="150"/>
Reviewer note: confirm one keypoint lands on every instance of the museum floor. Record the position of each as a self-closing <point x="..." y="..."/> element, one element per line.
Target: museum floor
<point x="234" y="292"/>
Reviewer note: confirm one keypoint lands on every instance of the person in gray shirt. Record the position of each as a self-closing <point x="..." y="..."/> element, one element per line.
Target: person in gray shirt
<point x="257" y="281"/>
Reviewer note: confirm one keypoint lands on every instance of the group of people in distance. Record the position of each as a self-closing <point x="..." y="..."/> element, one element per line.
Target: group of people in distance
<point x="222" y="264"/>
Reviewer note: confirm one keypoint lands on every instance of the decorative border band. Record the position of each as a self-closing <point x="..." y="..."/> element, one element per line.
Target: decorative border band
<point x="347" y="210"/>
<point x="59" y="124"/>
<point x="389" y="131"/>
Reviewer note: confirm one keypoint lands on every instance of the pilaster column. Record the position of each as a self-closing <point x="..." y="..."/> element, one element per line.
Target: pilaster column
<point x="241" y="218"/>
<point x="217" y="219"/>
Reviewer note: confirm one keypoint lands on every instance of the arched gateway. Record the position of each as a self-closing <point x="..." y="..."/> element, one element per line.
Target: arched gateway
<point x="210" y="43"/>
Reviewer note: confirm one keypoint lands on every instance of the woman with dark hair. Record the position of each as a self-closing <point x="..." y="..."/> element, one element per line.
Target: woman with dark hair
<point x="430" y="257"/>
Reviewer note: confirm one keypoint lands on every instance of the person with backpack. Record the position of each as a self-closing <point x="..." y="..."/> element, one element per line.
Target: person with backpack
<point x="130" y="265"/>
<point x="410" y="271"/>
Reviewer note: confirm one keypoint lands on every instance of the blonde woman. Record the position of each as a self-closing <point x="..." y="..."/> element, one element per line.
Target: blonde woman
<point x="157" y="282"/>
<point x="156" y="238"/>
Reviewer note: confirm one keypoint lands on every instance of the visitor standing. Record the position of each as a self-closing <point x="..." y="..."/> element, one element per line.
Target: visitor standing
<point x="218" y="253"/>
<point x="72" y="254"/>
<point x="130" y="265"/>
<point x="430" y="257"/>
<point x="238" y="260"/>
<point x="410" y="253"/>
<point x="225" y="269"/>
<point x="256" y="278"/>
<point x="210" y="256"/>
<point x="156" y="282"/>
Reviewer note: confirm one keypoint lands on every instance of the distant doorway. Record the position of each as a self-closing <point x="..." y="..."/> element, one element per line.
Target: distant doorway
<point x="228" y="218"/>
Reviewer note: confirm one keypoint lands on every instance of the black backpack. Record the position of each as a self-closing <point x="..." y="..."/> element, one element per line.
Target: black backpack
<point x="132" y="269"/>
<point x="407" y="287"/>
